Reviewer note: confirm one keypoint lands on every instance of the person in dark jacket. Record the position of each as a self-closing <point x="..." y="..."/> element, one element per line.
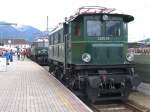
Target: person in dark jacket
<point x="18" y="55"/>
<point x="11" y="55"/>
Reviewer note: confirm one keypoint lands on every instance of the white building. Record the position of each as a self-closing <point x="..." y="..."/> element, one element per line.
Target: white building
<point x="15" y="43"/>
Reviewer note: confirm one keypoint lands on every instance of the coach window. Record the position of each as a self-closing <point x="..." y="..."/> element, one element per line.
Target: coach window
<point x="59" y="37"/>
<point x="55" y="38"/>
<point x="94" y="28"/>
<point x="49" y="38"/>
<point x="62" y="37"/>
<point x="52" y="39"/>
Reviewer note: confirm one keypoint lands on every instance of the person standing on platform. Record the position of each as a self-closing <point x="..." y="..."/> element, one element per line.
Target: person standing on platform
<point x="18" y="55"/>
<point x="11" y="55"/>
<point x="7" y="56"/>
<point x="23" y="54"/>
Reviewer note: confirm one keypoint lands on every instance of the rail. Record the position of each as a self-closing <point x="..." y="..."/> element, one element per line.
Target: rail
<point x="136" y="107"/>
<point x="119" y="107"/>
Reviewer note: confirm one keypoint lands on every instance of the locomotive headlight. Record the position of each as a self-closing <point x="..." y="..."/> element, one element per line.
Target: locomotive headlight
<point x="130" y="57"/>
<point x="105" y="17"/>
<point x="39" y="52"/>
<point x="86" y="57"/>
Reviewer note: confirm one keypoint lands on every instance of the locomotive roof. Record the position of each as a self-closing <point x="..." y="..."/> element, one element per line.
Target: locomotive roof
<point x="126" y="18"/>
<point x="98" y="10"/>
<point x="93" y="10"/>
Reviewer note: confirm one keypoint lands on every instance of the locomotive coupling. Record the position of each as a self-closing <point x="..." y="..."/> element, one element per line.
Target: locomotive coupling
<point x="104" y="82"/>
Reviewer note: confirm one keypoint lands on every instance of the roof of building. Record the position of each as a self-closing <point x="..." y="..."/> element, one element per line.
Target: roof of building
<point x="14" y="41"/>
<point x="41" y="39"/>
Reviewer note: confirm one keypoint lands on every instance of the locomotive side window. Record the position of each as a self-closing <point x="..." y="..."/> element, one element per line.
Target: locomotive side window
<point x="77" y="29"/>
<point x="113" y="28"/>
<point x="94" y="28"/>
<point x="125" y="28"/>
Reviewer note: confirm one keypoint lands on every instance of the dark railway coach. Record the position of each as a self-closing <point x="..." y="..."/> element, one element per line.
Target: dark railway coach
<point x="88" y="53"/>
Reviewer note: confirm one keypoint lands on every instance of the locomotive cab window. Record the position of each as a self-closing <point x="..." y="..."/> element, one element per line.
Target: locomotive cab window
<point x="113" y="28"/>
<point x="94" y="28"/>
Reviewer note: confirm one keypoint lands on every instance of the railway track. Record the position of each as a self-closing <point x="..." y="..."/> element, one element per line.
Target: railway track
<point x="119" y="107"/>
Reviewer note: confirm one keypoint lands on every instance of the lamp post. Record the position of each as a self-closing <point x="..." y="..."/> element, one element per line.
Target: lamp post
<point x="9" y="42"/>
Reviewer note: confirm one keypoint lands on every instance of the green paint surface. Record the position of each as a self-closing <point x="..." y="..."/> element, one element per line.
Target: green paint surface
<point x="143" y="67"/>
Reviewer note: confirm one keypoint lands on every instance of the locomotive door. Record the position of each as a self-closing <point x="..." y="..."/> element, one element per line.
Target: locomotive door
<point x="66" y="34"/>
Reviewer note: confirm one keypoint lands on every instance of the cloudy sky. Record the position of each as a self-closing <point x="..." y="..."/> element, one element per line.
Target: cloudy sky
<point x="34" y="12"/>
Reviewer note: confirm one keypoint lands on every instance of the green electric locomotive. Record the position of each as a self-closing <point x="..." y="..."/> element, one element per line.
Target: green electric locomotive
<point x="39" y="51"/>
<point x="88" y="53"/>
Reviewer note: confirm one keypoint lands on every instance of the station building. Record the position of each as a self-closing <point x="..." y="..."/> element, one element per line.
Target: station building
<point x="15" y="43"/>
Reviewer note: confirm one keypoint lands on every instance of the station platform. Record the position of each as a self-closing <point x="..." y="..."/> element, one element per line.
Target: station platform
<point x="27" y="87"/>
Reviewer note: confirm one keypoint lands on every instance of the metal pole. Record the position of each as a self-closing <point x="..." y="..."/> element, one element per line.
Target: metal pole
<point x="47" y="24"/>
<point x="1" y="38"/>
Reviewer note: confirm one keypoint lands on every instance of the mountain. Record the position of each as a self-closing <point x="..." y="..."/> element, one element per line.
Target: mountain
<point x="25" y="31"/>
<point x="30" y="32"/>
<point x="8" y="30"/>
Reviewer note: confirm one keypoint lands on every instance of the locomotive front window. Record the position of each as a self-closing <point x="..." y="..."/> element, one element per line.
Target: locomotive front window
<point x="42" y="44"/>
<point x="113" y="28"/>
<point x="94" y="28"/>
